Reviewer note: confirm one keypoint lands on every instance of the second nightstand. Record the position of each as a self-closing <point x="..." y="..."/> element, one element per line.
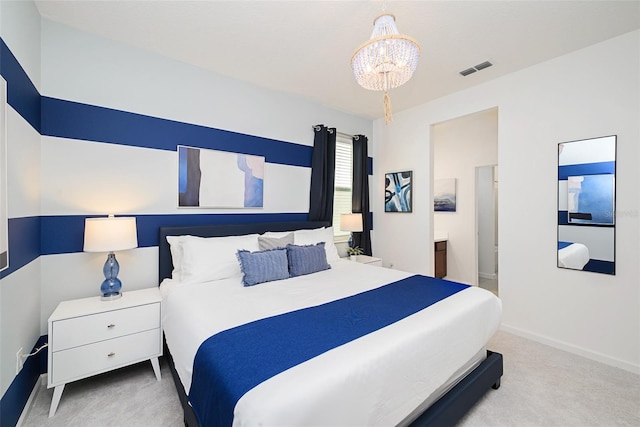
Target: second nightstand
<point x="89" y="336"/>
<point x="366" y="259"/>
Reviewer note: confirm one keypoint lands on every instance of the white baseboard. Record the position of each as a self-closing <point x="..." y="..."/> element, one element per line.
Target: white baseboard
<point x="490" y="276"/>
<point x="32" y="397"/>
<point x="589" y="354"/>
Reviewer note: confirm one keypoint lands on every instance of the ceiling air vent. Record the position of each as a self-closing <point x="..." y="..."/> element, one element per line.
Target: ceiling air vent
<point x="482" y="66"/>
<point x="468" y="71"/>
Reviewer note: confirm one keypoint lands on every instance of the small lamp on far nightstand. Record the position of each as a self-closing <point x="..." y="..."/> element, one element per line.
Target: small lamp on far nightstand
<point x="351" y="222"/>
<point x="110" y="234"/>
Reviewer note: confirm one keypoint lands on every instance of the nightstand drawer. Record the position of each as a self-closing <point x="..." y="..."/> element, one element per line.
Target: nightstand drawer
<point x="78" y="331"/>
<point x="80" y="362"/>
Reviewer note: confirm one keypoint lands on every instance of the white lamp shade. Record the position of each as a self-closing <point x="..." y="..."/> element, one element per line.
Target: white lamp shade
<point x="110" y="234"/>
<point x="351" y="222"/>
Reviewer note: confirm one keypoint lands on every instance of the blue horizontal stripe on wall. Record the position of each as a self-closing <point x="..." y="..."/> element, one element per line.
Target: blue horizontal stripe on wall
<point x="563" y="217"/>
<point x="67" y="119"/>
<point x="600" y="168"/>
<point x="22" y="95"/>
<point x="74" y="120"/>
<point x="24" y="242"/>
<point x="65" y="234"/>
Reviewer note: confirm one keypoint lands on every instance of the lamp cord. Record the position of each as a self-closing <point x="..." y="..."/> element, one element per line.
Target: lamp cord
<point x="45" y="345"/>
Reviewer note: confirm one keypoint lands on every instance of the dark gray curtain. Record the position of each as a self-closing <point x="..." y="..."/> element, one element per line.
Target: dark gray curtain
<point x="360" y="192"/>
<point x="323" y="171"/>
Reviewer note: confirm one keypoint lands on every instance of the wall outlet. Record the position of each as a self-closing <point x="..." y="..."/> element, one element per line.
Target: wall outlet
<point x="19" y="361"/>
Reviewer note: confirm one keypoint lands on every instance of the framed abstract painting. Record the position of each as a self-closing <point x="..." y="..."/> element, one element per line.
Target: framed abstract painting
<point x="397" y="191"/>
<point x="444" y="195"/>
<point x="219" y="179"/>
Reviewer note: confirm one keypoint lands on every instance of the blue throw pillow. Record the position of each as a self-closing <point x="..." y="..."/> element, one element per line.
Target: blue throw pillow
<point x="263" y="266"/>
<point x="307" y="259"/>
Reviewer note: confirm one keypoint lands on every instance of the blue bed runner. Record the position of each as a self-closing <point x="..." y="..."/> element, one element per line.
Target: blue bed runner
<point x="232" y="362"/>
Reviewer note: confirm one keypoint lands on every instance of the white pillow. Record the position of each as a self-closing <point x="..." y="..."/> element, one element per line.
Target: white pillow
<point x="317" y="235"/>
<point x="175" y="245"/>
<point x="213" y="258"/>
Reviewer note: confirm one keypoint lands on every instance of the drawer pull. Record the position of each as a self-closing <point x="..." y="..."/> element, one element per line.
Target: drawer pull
<point x="111" y="354"/>
<point x="111" y="326"/>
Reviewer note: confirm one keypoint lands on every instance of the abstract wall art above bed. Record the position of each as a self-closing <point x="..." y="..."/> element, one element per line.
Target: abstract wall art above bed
<point x="219" y="179"/>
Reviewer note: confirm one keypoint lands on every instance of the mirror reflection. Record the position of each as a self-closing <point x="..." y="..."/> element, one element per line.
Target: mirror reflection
<point x="586" y="204"/>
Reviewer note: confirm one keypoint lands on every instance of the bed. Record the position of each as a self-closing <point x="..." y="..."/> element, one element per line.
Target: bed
<point x="572" y="255"/>
<point x="427" y="367"/>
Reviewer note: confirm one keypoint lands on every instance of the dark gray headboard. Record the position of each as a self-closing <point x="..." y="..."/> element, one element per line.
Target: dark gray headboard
<point x="219" y="230"/>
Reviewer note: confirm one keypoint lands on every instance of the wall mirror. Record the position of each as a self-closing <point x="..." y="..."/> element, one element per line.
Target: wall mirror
<point x="586" y="204"/>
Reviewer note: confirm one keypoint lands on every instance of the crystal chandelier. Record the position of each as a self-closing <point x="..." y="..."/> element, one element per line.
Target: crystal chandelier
<point x="387" y="60"/>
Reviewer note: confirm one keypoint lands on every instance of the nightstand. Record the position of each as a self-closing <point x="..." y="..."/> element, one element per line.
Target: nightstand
<point x="366" y="259"/>
<point x="89" y="336"/>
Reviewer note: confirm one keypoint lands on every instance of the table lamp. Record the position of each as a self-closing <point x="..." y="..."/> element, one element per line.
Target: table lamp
<point x="110" y="234"/>
<point x="351" y="222"/>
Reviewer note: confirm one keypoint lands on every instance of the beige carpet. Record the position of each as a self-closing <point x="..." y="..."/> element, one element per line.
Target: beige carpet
<point x="541" y="386"/>
<point x="129" y="397"/>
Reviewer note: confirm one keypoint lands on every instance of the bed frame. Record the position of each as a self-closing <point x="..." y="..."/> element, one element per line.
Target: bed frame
<point x="446" y="411"/>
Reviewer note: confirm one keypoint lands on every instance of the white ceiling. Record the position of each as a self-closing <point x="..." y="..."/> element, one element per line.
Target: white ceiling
<point x="304" y="47"/>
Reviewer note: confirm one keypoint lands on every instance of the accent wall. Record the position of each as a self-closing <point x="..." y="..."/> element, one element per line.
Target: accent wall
<point x="100" y="137"/>
<point x="20" y="283"/>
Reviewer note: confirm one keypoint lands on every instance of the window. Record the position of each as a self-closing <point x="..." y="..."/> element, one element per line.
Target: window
<point x="343" y="183"/>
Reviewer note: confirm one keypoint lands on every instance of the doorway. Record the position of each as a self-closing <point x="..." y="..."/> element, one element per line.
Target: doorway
<point x="460" y="146"/>
<point x="487" y="226"/>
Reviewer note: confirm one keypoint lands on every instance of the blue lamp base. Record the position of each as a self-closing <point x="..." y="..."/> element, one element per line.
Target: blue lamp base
<point x="111" y="286"/>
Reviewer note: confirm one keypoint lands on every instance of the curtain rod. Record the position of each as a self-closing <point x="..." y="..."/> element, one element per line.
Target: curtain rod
<point x="346" y="135"/>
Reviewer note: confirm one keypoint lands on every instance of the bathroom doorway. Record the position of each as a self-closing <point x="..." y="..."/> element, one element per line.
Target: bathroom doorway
<point x="487" y="226"/>
<point x="461" y="146"/>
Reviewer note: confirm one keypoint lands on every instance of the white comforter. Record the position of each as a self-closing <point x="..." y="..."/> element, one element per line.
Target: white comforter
<point x="378" y="379"/>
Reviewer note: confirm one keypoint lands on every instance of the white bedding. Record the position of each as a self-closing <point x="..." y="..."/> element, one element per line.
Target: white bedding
<point x="574" y="256"/>
<point x="378" y="379"/>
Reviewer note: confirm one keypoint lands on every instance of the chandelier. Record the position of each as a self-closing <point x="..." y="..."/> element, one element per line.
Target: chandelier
<point x="387" y="60"/>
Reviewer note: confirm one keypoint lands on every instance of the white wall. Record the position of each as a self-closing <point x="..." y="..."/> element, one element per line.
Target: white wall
<point x="460" y="146"/>
<point x="588" y="93"/>
<point x="81" y="177"/>
<point x="20" y="30"/>
<point x="20" y="291"/>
